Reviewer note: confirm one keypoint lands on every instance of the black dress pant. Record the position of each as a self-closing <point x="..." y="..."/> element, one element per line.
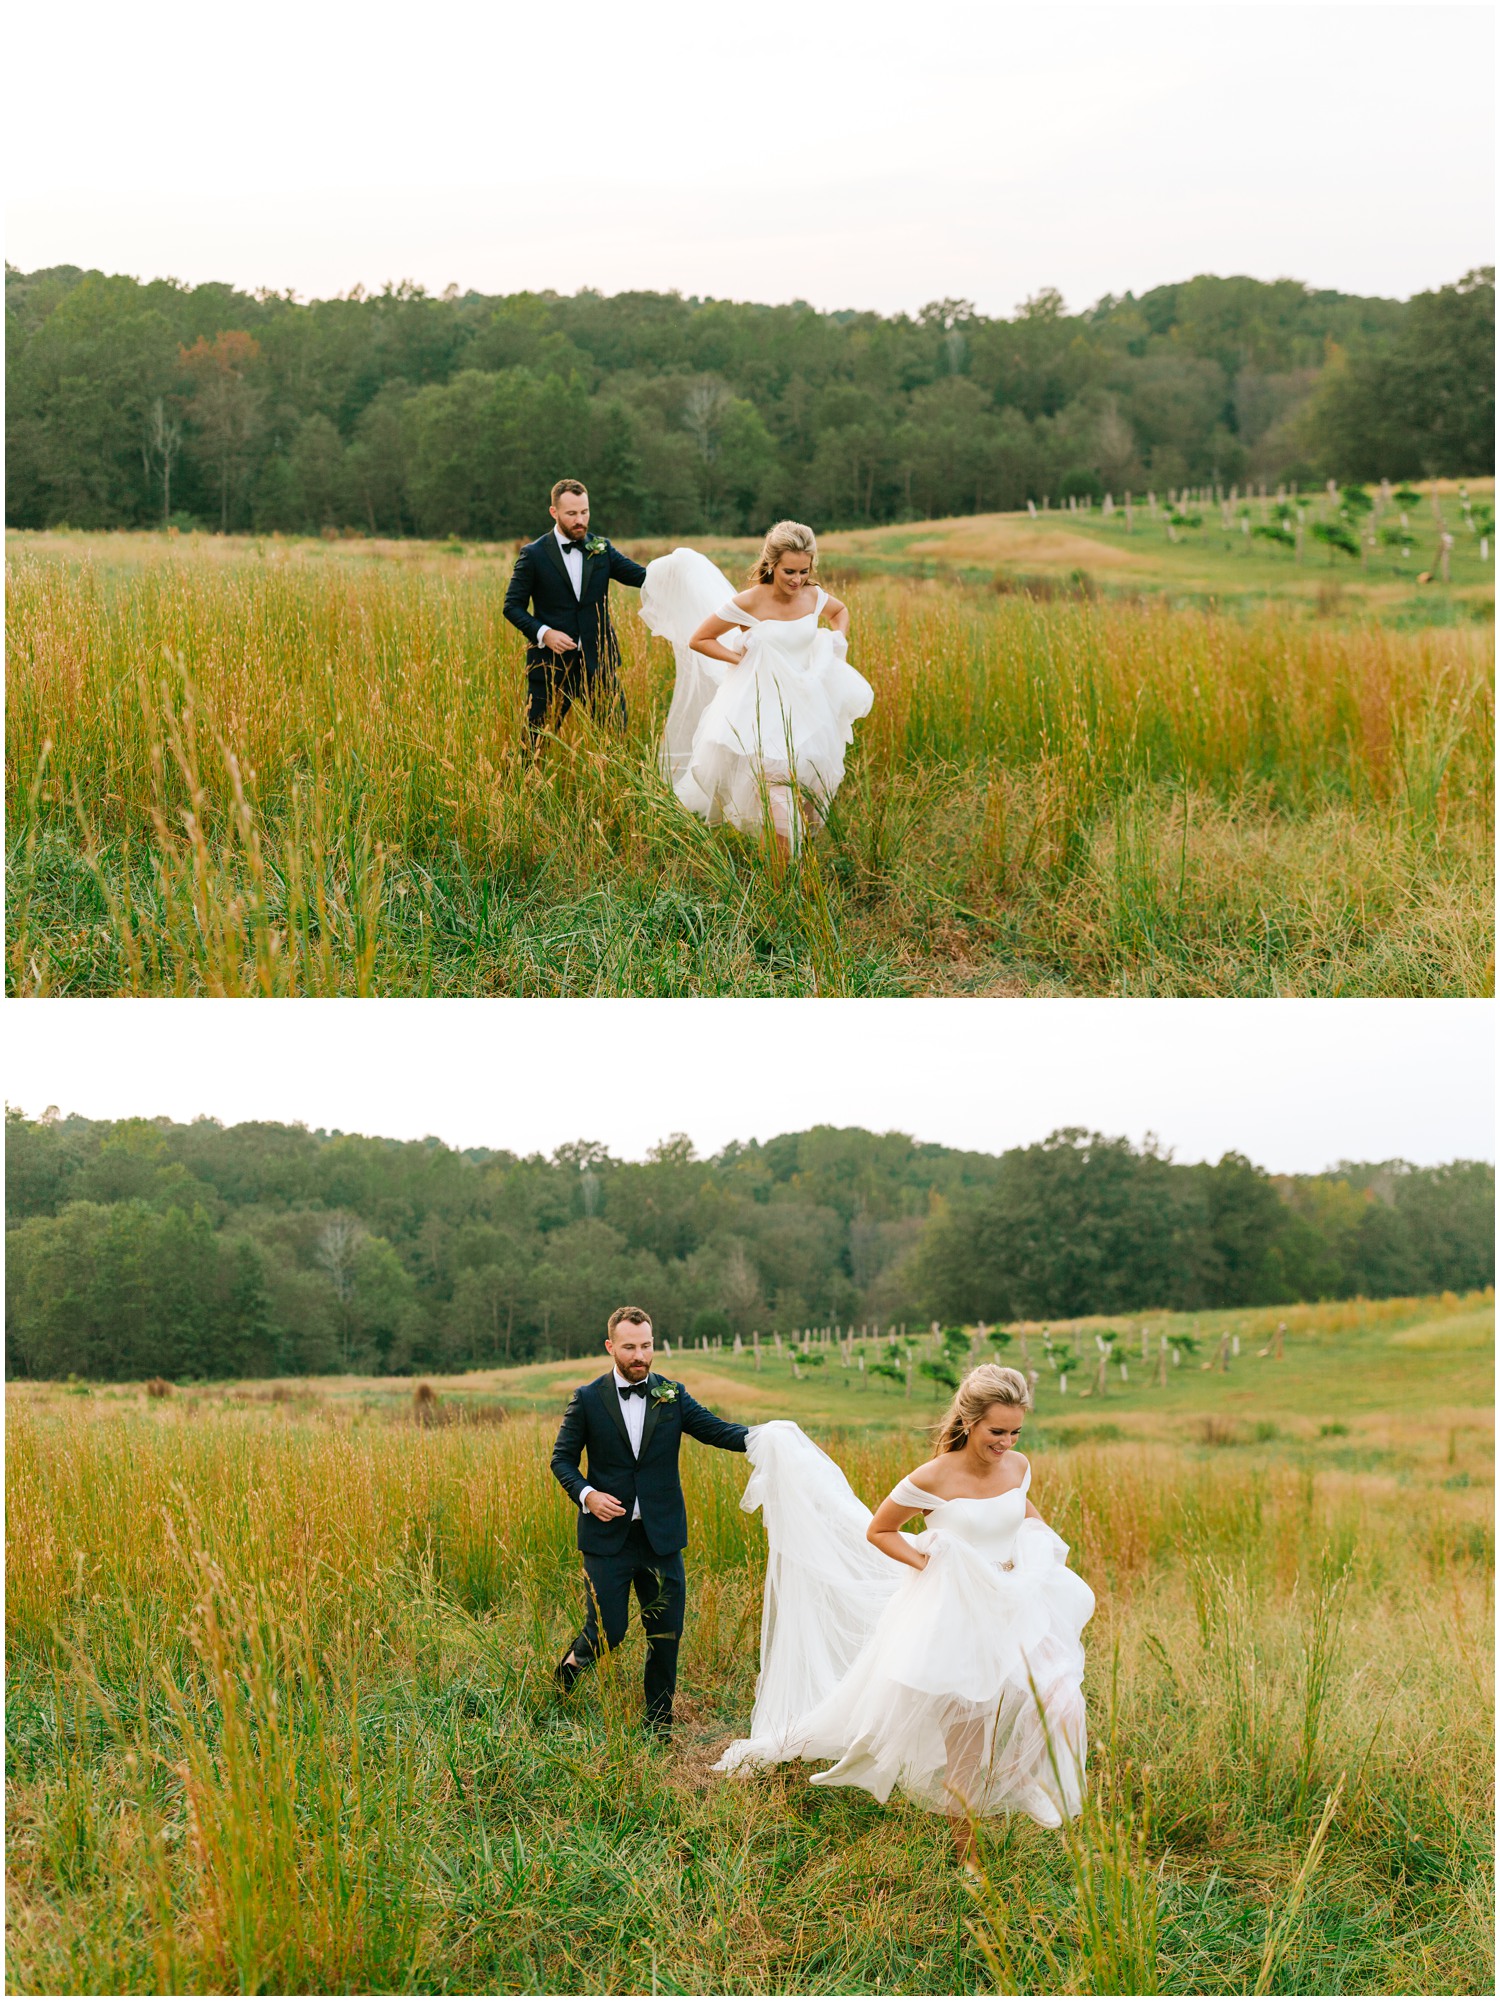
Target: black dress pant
<point x="660" y="1586"/>
<point x="556" y="683"/>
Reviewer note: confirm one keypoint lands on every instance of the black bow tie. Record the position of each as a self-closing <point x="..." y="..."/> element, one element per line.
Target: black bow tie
<point x="632" y="1389"/>
<point x="578" y="546"/>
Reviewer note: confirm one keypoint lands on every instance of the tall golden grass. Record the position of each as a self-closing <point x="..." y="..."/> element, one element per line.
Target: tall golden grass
<point x="278" y="773"/>
<point x="281" y="1719"/>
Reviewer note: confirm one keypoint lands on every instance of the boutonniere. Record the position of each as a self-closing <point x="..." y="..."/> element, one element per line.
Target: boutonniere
<point x="595" y="546"/>
<point x="664" y="1392"/>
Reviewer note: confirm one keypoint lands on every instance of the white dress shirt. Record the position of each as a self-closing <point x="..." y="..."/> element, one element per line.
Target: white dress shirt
<point x="633" y="1410"/>
<point x="573" y="564"/>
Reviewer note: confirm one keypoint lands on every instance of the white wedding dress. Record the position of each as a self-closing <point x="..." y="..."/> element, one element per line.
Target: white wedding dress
<point x="961" y="1683"/>
<point x="741" y="742"/>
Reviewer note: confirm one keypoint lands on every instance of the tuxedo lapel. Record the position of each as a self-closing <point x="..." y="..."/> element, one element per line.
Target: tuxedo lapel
<point x="583" y="582"/>
<point x="559" y="565"/>
<point x="653" y="1410"/>
<point x="609" y="1396"/>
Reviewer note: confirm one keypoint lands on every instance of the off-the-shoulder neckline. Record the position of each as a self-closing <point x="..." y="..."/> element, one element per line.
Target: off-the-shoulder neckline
<point x="944" y="1499"/>
<point x="816" y="612"/>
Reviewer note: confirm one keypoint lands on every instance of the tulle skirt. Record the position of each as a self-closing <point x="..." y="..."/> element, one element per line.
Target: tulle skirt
<point x="775" y="724"/>
<point x="741" y="744"/>
<point x="960" y="1684"/>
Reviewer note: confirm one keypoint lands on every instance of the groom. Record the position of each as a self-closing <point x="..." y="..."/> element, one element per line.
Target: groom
<point x="632" y="1520"/>
<point x="559" y="598"/>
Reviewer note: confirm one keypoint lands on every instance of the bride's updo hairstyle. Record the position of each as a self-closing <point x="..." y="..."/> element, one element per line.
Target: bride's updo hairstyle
<point x="980" y="1388"/>
<point x="785" y="539"/>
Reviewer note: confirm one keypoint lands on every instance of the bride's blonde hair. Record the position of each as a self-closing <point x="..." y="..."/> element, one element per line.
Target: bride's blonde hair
<point x="785" y="539"/>
<point x="989" y="1383"/>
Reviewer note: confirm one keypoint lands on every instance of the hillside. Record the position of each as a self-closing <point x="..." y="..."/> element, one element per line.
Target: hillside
<point x="129" y="404"/>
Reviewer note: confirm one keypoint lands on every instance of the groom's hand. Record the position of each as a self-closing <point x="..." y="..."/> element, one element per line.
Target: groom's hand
<point x="603" y="1507"/>
<point x="558" y="642"/>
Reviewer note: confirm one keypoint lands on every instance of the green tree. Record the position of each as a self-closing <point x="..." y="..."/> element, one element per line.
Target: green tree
<point x="1424" y="405"/>
<point x="318" y="466"/>
<point x="712" y="1324"/>
<point x="1078" y="1224"/>
<point x="224" y="409"/>
<point x="81" y="390"/>
<point x="375" y="464"/>
<point x="1246" y="1225"/>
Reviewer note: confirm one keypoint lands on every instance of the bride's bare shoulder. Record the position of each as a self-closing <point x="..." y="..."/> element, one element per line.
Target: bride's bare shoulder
<point x="931" y="1476"/>
<point x="749" y="598"/>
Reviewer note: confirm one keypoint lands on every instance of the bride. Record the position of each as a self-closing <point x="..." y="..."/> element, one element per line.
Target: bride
<point x="948" y="1663"/>
<point x="765" y="701"/>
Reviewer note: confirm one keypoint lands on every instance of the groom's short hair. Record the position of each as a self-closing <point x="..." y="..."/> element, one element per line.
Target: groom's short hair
<point x="567" y="486"/>
<point x="636" y="1315"/>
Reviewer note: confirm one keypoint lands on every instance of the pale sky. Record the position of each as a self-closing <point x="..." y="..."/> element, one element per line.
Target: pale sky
<point x="849" y="152"/>
<point x="1296" y="1085"/>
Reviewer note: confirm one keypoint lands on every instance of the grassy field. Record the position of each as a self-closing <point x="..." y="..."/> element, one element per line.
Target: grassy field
<point x="279" y="1715"/>
<point x="270" y="768"/>
<point x="1215" y="565"/>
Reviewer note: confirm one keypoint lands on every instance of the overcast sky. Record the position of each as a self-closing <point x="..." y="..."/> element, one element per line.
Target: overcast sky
<point x="849" y="152"/>
<point x="1296" y="1085"/>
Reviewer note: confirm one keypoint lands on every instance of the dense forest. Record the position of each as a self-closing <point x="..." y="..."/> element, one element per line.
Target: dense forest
<point x="129" y="404"/>
<point x="144" y="1248"/>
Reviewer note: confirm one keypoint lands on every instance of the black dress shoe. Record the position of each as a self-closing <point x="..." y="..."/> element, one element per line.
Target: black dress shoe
<point x="566" y="1673"/>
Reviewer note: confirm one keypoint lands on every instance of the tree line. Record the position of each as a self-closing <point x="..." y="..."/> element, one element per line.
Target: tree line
<point x="140" y="1248"/>
<point x="130" y="404"/>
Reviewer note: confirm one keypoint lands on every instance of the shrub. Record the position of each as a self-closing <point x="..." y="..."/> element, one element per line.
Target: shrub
<point x="1083" y="484"/>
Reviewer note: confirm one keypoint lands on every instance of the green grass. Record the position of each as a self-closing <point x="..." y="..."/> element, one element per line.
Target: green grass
<point x="1339" y="1362"/>
<point x="263" y="768"/>
<point x="279" y="1715"/>
<point x="1211" y="566"/>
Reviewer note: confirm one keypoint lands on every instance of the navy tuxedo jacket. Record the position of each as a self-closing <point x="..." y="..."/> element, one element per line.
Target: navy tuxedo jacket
<point x="594" y="1424"/>
<point x="541" y="594"/>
